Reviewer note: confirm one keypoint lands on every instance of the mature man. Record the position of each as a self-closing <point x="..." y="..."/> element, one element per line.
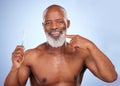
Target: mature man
<point x="56" y="62"/>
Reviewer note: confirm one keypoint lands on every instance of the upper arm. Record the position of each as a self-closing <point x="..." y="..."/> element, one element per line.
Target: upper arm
<point x="92" y="66"/>
<point x="24" y="71"/>
<point x="23" y="74"/>
<point x="101" y="66"/>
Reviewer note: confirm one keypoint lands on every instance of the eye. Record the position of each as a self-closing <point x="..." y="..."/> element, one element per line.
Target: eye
<point x="61" y="22"/>
<point x="47" y="23"/>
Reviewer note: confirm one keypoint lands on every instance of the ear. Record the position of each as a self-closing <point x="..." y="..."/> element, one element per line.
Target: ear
<point x="68" y="23"/>
<point x="42" y="24"/>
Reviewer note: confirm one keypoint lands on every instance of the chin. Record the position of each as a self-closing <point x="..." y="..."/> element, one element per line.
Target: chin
<point x="56" y="41"/>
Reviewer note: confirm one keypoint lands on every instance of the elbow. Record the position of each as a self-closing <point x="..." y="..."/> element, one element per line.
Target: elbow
<point x="112" y="78"/>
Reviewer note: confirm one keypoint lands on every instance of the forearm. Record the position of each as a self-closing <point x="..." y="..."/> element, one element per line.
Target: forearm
<point x="12" y="78"/>
<point x="102" y="62"/>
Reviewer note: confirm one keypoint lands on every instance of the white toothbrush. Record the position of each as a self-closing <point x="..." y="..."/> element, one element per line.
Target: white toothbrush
<point x="23" y="37"/>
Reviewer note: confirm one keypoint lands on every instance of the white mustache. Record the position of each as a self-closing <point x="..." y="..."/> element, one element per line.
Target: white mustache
<point x="52" y="31"/>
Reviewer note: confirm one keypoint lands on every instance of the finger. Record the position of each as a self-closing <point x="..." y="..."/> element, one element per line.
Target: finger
<point x="18" y="54"/>
<point x="69" y="36"/>
<point x="19" y="48"/>
<point x="20" y="51"/>
<point x="16" y="57"/>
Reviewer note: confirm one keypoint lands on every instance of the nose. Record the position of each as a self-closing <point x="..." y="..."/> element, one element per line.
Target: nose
<point x="54" y="26"/>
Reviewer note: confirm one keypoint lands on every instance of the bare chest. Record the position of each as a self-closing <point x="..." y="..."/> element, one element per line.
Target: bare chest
<point x="51" y="69"/>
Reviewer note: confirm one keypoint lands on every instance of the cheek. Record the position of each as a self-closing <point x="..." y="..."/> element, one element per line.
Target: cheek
<point x="63" y="26"/>
<point x="46" y="28"/>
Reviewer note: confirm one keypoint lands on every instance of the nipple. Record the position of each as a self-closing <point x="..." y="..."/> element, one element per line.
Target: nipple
<point x="75" y="78"/>
<point x="44" y="80"/>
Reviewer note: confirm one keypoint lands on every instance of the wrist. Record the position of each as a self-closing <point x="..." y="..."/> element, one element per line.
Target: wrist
<point x="13" y="68"/>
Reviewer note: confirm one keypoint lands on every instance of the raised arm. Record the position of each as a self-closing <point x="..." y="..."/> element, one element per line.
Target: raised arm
<point x="18" y="68"/>
<point x="100" y="64"/>
<point x="97" y="62"/>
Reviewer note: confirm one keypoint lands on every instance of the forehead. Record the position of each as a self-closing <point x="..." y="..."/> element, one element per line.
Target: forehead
<point x="54" y="13"/>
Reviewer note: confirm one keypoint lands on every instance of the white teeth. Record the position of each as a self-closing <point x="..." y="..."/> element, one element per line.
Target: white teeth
<point x="55" y="32"/>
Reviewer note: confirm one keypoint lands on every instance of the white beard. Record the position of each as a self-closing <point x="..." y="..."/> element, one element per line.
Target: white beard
<point x="56" y="42"/>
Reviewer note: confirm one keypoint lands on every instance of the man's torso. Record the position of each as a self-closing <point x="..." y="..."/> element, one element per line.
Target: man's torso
<point x="57" y="67"/>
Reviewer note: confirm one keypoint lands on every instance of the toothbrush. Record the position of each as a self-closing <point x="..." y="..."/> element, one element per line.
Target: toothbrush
<point x="23" y="37"/>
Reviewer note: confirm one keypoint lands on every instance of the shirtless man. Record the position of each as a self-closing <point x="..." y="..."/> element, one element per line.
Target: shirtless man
<point x="57" y="62"/>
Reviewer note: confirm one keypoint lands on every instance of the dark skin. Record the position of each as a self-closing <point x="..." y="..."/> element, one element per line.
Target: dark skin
<point x="62" y="66"/>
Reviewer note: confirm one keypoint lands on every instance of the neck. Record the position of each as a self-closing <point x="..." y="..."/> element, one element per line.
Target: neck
<point x="61" y="48"/>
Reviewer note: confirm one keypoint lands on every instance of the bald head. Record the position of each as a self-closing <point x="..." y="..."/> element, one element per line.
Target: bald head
<point x="54" y="8"/>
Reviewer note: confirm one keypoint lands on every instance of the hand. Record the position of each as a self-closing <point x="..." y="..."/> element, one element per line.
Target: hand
<point x="18" y="56"/>
<point x="78" y="41"/>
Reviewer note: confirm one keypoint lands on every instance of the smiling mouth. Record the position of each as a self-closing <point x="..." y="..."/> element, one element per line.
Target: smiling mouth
<point x="55" y="33"/>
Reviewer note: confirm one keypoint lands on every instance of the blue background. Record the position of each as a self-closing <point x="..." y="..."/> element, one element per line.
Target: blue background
<point x="97" y="20"/>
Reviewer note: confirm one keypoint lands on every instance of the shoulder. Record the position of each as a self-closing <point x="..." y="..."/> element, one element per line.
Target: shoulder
<point x="84" y="53"/>
<point x="78" y="51"/>
<point x="31" y="54"/>
<point x="35" y="50"/>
